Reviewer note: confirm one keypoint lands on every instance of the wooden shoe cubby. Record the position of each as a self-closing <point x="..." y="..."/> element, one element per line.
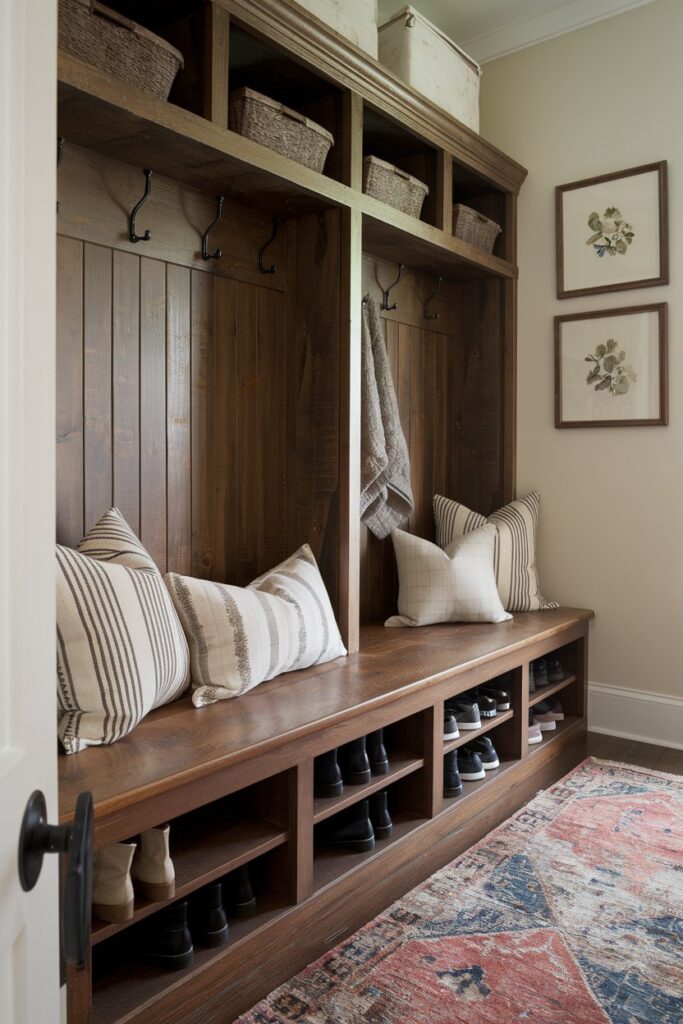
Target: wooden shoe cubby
<point x="219" y="408"/>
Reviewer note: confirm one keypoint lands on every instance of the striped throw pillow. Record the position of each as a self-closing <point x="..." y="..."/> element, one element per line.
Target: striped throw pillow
<point x="121" y="650"/>
<point x="241" y="636"/>
<point x="515" y="552"/>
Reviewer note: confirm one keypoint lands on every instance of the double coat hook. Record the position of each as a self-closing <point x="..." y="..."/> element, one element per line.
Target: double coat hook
<point x="261" y="253"/>
<point x="132" y="236"/>
<point x="425" y="305"/>
<point x="385" y="293"/>
<point x="206" y="255"/>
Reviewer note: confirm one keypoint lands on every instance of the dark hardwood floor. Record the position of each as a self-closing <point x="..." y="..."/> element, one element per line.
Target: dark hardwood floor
<point x="647" y="755"/>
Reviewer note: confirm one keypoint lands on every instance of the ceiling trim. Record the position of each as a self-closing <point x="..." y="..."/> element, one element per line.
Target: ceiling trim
<point x="569" y="16"/>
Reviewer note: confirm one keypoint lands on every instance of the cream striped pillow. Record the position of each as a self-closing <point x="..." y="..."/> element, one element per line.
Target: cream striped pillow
<point x="241" y="636"/>
<point x="120" y="647"/>
<point x="515" y="553"/>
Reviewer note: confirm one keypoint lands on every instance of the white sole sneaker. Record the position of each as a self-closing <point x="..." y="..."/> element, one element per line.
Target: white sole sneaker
<point x="469" y="725"/>
<point x="450" y="736"/>
<point x="535" y="739"/>
<point x="489" y="765"/>
<point x="472" y="776"/>
<point x="546" y="726"/>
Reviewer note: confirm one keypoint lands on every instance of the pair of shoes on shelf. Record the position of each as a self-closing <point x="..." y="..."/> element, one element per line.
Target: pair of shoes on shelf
<point x="168" y="938"/>
<point x="468" y="709"/>
<point x="468" y="764"/>
<point x="357" y="827"/>
<point x="546" y="714"/>
<point x="545" y="672"/>
<point x="146" y="863"/>
<point x="353" y="764"/>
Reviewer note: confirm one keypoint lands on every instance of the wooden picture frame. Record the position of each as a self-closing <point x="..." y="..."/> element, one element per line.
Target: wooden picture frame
<point x="612" y="232"/>
<point x="611" y="368"/>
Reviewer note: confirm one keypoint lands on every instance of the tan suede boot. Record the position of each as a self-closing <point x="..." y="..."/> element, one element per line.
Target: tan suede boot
<point x="112" y="888"/>
<point x="153" y="868"/>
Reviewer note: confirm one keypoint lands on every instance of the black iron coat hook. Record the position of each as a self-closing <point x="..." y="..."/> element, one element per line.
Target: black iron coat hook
<point x="425" y="305"/>
<point x="132" y="237"/>
<point x="206" y="255"/>
<point x="262" y="250"/>
<point x="385" y="299"/>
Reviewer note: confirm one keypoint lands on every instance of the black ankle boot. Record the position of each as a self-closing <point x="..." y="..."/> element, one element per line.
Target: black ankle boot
<point x="351" y="829"/>
<point x="327" y="775"/>
<point x="241" y="899"/>
<point x="377" y="753"/>
<point x="354" y="762"/>
<point x="452" y="783"/>
<point x="379" y="815"/>
<point x="207" y="916"/>
<point x="167" y="942"/>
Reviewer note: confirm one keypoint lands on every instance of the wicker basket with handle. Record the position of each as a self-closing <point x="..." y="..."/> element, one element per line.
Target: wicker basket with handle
<point x="473" y="227"/>
<point x="393" y="186"/>
<point x="97" y="35"/>
<point x="264" y="120"/>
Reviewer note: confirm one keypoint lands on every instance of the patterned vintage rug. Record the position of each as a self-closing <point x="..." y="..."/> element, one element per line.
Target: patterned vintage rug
<point x="570" y="913"/>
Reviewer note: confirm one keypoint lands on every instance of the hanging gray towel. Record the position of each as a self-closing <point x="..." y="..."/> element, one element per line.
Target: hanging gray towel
<point x="386" y="497"/>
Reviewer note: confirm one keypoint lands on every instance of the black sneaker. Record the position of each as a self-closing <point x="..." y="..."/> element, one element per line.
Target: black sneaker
<point x="469" y="765"/>
<point x="450" y="725"/>
<point x="487" y="705"/>
<point x="541" y="673"/>
<point x="354" y="762"/>
<point x="555" y="671"/>
<point x="487" y="752"/>
<point x="350" y="829"/>
<point x="466" y="714"/>
<point x="452" y="783"/>
<point x="501" y="697"/>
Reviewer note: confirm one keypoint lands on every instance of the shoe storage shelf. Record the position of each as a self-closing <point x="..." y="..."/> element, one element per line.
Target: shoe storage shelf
<point x="216" y="402"/>
<point x="240" y="790"/>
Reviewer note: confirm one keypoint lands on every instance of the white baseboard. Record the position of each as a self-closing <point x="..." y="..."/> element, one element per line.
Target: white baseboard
<point x="636" y="715"/>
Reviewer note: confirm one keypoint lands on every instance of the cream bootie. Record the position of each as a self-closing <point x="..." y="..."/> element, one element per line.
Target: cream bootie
<point x="153" y="868"/>
<point x="112" y="888"/>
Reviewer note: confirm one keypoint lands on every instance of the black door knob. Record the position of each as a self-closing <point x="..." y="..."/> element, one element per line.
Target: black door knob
<point x="38" y="838"/>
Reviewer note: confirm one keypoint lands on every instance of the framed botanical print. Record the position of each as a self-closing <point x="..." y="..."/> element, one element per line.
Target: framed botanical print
<point x="612" y="232"/>
<point x="611" y="368"/>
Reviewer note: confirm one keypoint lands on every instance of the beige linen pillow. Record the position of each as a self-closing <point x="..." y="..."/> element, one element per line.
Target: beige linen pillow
<point x="120" y="647"/>
<point x="515" y="553"/>
<point x="241" y="636"/>
<point x="455" y="585"/>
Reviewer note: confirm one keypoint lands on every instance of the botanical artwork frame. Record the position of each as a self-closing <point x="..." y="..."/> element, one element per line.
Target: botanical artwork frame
<point x="612" y="232"/>
<point x="611" y="368"/>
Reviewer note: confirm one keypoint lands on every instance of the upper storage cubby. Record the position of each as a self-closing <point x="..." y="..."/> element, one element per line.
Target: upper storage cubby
<point x="484" y="198"/>
<point x="389" y="141"/>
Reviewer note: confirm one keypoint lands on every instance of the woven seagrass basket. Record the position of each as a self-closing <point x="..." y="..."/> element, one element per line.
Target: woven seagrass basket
<point x="393" y="186"/>
<point x="474" y="227"/>
<point x="264" y="120"/>
<point x="97" y="35"/>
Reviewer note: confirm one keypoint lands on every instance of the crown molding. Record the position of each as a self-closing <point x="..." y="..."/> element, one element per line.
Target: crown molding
<point x="566" y="17"/>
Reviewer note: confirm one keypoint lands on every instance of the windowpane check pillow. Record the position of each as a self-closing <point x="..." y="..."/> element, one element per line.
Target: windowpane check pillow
<point x="121" y="650"/>
<point x="241" y="636"/>
<point x="455" y="585"/>
<point x="515" y="552"/>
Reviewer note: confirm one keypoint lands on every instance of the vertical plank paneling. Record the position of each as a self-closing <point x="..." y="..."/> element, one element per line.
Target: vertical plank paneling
<point x="202" y="417"/>
<point x="224" y="439"/>
<point x="69" y="391"/>
<point x="249" y="450"/>
<point x="126" y="385"/>
<point x="97" y="386"/>
<point x="153" y="409"/>
<point x="178" y="401"/>
<point x="271" y="546"/>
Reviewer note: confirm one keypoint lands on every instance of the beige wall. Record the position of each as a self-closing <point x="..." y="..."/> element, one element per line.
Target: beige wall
<point x="593" y="101"/>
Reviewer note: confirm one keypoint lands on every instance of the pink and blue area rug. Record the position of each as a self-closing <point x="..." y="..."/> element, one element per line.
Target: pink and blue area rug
<point x="570" y="913"/>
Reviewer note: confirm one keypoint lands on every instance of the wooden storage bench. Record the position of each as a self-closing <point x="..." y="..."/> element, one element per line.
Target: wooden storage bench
<point x="236" y="782"/>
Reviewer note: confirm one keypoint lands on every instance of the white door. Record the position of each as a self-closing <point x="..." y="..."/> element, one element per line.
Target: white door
<point x="29" y="946"/>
